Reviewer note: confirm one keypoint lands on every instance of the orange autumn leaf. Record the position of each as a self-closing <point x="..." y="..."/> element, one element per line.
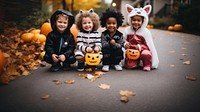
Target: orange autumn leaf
<point x="57" y="82"/>
<point x="127" y="93"/>
<point x="11" y="70"/>
<point x="20" y="57"/>
<point x="124" y="99"/>
<point x="104" y="86"/>
<point x="183" y="54"/>
<point x="172" y="66"/>
<point x="69" y="82"/>
<point x="183" y="48"/>
<point x="88" y="70"/>
<point x="45" y="97"/>
<point x="187" y="63"/>
<point x="191" y="77"/>
<point x="25" y="73"/>
<point x="84" y="76"/>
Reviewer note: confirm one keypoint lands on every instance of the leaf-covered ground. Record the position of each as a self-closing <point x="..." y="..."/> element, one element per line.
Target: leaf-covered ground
<point x="21" y="57"/>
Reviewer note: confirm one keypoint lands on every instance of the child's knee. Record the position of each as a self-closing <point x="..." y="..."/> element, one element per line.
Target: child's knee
<point x="146" y="53"/>
<point x="79" y="58"/>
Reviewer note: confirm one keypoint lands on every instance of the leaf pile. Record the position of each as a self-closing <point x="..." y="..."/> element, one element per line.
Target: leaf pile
<point x="20" y="57"/>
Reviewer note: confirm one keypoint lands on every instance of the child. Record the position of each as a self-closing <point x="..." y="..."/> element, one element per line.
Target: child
<point x="60" y="42"/>
<point x="137" y="36"/>
<point x="112" y="39"/>
<point x="88" y="39"/>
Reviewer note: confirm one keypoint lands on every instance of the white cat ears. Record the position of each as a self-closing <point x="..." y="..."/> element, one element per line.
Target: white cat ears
<point x="91" y="11"/>
<point x="129" y="8"/>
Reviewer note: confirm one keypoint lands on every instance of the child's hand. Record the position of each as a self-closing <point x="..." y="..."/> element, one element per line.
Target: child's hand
<point x="127" y="46"/>
<point x="96" y="49"/>
<point x="55" y="58"/>
<point x="89" y="50"/>
<point x="135" y="47"/>
<point x="112" y="42"/>
<point x="61" y="57"/>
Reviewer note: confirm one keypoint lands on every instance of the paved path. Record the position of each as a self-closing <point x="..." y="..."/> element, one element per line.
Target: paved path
<point x="163" y="90"/>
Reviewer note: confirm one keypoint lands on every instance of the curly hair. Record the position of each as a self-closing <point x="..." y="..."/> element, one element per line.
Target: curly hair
<point x="91" y="14"/>
<point x="110" y="12"/>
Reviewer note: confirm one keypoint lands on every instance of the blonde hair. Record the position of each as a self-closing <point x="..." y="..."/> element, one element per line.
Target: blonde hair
<point x="63" y="15"/>
<point x="91" y="14"/>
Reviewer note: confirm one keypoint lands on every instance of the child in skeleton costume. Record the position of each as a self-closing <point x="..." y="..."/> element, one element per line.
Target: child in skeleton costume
<point x="88" y="38"/>
<point x="112" y="39"/>
<point x="137" y="36"/>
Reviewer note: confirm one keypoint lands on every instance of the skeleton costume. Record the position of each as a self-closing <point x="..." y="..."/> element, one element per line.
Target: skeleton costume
<point x="86" y="39"/>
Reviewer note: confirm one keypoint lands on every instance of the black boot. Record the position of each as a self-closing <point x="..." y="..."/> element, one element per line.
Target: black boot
<point x="55" y="67"/>
<point x="66" y="67"/>
<point x="80" y="67"/>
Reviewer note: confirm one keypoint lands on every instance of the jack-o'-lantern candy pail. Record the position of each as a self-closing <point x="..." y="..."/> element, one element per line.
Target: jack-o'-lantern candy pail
<point x="92" y="58"/>
<point x="133" y="54"/>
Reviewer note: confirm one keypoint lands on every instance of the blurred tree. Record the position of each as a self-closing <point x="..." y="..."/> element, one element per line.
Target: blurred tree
<point x="77" y="5"/>
<point x="17" y="10"/>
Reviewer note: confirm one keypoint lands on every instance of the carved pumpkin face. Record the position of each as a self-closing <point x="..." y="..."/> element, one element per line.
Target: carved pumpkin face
<point x="92" y="58"/>
<point x="133" y="54"/>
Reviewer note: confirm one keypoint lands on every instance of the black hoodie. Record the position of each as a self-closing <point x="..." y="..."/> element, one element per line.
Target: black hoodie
<point x="58" y="43"/>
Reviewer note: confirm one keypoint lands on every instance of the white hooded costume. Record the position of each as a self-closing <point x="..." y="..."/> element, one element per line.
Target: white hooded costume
<point x="142" y="31"/>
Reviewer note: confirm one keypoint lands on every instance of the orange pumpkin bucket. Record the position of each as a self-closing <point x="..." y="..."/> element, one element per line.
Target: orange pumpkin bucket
<point x="92" y="58"/>
<point x="133" y="54"/>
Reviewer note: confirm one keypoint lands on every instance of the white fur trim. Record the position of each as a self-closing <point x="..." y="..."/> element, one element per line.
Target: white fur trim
<point x="139" y="46"/>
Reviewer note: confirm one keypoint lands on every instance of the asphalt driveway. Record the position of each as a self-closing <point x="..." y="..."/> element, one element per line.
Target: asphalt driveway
<point x="165" y="89"/>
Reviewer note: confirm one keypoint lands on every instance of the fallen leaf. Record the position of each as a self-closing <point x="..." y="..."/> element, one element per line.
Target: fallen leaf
<point x="104" y="86"/>
<point x="25" y="73"/>
<point x="172" y="51"/>
<point x="127" y="93"/>
<point x="191" y="77"/>
<point x="97" y="73"/>
<point x="183" y="54"/>
<point x="69" y="82"/>
<point x="186" y="63"/>
<point x="45" y="97"/>
<point x="43" y="64"/>
<point x="183" y="48"/>
<point x="172" y="65"/>
<point x="124" y="99"/>
<point x="88" y="70"/>
<point x="84" y="76"/>
<point x="57" y="82"/>
<point x="90" y="76"/>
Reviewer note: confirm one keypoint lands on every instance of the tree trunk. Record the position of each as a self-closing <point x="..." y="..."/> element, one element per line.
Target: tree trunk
<point x="64" y="4"/>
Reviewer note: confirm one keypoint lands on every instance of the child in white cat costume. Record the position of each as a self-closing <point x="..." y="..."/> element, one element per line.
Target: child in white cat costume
<point x="139" y="37"/>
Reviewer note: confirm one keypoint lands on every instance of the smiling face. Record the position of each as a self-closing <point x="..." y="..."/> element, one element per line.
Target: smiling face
<point x="111" y="25"/>
<point x="136" y="22"/>
<point x="62" y="23"/>
<point x="87" y="24"/>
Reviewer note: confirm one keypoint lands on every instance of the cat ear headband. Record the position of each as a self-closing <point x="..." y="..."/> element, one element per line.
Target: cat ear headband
<point x="147" y="8"/>
<point x="91" y="11"/>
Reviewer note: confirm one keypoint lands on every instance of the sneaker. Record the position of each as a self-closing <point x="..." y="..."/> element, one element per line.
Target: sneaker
<point x="105" y="68"/>
<point x="55" y="67"/>
<point x="147" y="68"/>
<point x="66" y="67"/>
<point x="118" y="67"/>
<point x="80" y="67"/>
